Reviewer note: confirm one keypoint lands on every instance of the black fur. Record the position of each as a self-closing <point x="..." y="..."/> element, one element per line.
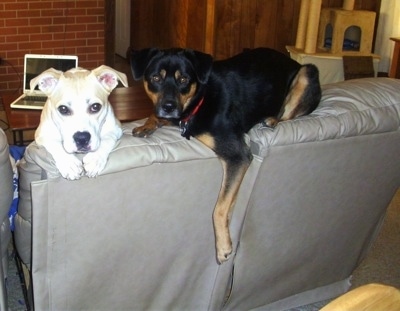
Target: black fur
<point x="238" y="92"/>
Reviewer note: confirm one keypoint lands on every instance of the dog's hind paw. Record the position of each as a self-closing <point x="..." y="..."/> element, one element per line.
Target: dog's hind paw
<point x="271" y="122"/>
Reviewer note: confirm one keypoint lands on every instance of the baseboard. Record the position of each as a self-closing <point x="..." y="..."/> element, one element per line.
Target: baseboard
<point x="308" y="297"/>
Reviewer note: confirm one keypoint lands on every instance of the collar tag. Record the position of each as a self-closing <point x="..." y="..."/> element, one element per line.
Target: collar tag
<point x="183" y="127"/>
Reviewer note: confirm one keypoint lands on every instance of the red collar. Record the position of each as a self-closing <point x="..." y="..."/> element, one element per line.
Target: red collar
<point x="194" y="111"/>
<point x="183" y="124"/>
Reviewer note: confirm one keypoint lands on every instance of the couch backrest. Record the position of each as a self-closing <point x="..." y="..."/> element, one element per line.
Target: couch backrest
<point x="347" y="109"/>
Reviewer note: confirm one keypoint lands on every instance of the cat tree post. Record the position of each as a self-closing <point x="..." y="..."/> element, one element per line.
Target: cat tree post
<point x="312" y="26"/>
<point x="302" y="24"/>
<point x="348" y="5"/>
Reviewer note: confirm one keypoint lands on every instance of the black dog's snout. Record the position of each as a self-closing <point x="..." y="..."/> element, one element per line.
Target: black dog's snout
<point x="81" y="139"/>
<point x="168" y="106"/>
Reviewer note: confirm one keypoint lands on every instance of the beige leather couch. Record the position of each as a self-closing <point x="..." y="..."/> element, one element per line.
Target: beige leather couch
<point x="6" y="197"/>
<point x="140" y="236"/>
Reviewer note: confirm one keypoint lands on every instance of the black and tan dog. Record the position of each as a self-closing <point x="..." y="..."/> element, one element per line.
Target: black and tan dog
<point x="219" y="101"/>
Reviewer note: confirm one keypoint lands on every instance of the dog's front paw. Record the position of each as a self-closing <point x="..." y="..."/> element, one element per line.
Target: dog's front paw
<point x="94" y="163"/>
<point x="70" y="167"/>
<point x="224" y="252"/>
<point x="143" y="131"/>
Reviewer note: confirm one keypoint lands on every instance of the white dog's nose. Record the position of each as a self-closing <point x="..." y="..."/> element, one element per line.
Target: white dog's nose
<point x="82" y="140"/>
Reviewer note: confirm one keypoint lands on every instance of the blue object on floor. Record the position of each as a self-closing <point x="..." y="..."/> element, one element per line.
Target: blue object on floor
<point x="16" y="152"/>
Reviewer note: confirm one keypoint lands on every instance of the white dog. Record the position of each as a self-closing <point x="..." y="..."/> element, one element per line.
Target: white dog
<point x="78" y="118"/>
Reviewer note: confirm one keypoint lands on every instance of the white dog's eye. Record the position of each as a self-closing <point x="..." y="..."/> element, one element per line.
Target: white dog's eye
<point x="94" y="108"/>
<point x="64" y="110"/>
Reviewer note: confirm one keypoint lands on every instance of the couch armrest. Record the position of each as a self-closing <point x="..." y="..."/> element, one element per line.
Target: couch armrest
<point x="6" y="196"/>
<point x="6" y="188"/>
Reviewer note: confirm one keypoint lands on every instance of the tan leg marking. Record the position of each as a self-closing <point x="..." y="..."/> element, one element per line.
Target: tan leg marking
<point x="231" y="181"/>
<point x="207" y="140"/>
<point x="226" y="200"/>
<point x="292" y="100"/>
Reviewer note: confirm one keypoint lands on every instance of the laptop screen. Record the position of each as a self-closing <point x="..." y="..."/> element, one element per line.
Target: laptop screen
<point x="36" y="64"/>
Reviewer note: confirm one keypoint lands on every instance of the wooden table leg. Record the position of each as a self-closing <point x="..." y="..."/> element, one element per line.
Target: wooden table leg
<point x="18" y="137"/>
<point x="395" y="66"/>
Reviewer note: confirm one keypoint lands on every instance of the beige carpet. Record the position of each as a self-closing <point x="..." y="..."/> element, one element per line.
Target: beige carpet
<point x="382" y="264"/>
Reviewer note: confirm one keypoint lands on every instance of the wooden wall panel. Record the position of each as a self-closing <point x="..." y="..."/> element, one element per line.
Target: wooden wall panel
<point x="236" y="24"/>
<point x="266" y="17"/>
<point x="142" y="24"/>
<point x="247" y="30"/>
<point x="252" y="23"/>
<point x="226" y="33"/>
<point x="168" y="23"/>
<point x="196" y="23"/>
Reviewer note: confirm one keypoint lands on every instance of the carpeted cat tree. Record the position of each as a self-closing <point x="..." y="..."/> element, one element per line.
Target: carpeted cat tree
<point x="312" y="40"/>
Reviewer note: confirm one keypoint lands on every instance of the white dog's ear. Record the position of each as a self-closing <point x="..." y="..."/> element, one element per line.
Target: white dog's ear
<point x="47" y="80"/>
<point x="108" y="77"/>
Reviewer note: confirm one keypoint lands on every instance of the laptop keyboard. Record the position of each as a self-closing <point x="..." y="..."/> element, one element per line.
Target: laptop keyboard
<point x="35" y="98"/>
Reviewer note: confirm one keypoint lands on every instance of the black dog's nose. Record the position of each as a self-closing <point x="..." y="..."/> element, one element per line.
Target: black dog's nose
<point x="169" y="106"/>
<point x="81" y="139"/>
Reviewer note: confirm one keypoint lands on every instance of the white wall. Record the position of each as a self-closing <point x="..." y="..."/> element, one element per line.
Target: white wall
<point x="389" y="26"/>
<point x="122" y="26"/>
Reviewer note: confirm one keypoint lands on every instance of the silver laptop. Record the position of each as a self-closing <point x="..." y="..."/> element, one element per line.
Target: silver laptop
<point x="34" y="65"/>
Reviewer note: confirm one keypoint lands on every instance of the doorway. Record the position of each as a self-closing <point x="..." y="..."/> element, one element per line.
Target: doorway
<point x="111" y="56"/>
<point x="122" y="27"/>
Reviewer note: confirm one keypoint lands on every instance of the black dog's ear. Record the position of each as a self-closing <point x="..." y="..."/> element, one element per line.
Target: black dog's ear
<point x="139" y="59"/>
<point x="202" y="64"/>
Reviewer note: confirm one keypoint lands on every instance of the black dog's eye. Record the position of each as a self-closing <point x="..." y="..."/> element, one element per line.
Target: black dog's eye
<point x="94" y="108"/>
<point x="64" y="110"/>
<point x="183" y="80"/>
<point x="156" y="78"/>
